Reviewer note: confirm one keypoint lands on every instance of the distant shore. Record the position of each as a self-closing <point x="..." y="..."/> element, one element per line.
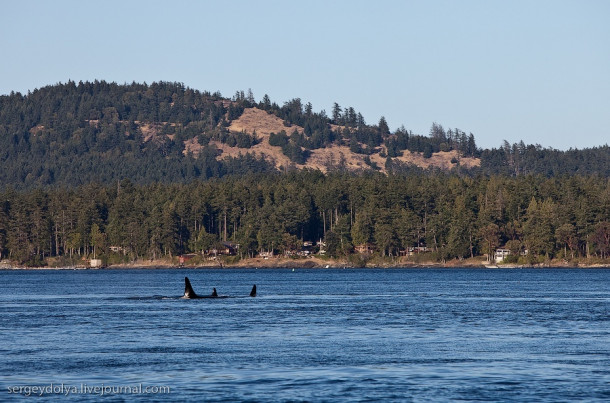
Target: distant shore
<point x="315" y="263"/>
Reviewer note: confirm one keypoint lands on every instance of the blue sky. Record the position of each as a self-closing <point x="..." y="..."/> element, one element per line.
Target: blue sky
<point x="503" y="70"/>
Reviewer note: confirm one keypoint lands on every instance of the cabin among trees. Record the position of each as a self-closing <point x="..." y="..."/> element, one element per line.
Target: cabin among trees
<point x="501" y="254"/>
<point x="365" y="249"/>
<point x="224" y="248"/>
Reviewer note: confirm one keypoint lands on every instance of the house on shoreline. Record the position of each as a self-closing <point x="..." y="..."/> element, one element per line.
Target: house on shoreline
<point x="365" y="249"/>
<point x="501" y="254"/>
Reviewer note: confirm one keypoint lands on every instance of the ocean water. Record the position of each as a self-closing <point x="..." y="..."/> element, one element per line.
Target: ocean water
<point x="310" y="335"/>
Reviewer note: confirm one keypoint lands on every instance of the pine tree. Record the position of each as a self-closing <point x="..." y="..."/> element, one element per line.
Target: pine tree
<point x="336" y="114"/>
<point x="383" y="126"/>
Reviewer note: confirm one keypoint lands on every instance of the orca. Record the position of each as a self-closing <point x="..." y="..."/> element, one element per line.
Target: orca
<point x="189" y="293"/>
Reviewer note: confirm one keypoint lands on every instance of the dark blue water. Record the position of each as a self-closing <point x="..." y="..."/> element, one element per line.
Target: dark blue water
<point x="315" y="335"/>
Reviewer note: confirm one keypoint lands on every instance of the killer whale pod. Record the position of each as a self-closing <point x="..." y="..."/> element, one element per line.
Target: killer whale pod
<point x="189" y="293"/>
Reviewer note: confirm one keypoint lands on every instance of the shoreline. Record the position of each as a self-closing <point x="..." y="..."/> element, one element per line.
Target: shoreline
<point x="314" y="263"/>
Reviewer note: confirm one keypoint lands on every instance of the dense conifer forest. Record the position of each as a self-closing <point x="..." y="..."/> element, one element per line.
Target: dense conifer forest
<point x="101" y="169"/>
<point x="455" y="217"/>
<point x="73" y="134"/>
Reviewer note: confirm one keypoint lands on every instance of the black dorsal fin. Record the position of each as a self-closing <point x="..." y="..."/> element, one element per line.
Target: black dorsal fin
<point x="214" y="293"/>
<point x="188" y="290"/>
<point x="253" y="292"/>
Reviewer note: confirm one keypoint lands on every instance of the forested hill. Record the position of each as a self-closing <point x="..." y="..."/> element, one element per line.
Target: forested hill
<point x="73" y="134"/>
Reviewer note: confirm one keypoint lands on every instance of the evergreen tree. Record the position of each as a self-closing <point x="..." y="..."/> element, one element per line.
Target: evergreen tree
<point x="490" y="235"/>
<point x="566" y="237"/>
<point x="362" y="229"/>
<point x="336" y="114"/>
<point x="383" y="126"/>
<point x="539" y="227"/>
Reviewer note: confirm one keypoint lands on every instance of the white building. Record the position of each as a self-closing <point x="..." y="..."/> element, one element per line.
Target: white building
<point x="95" y="263"/>
<point x="501" y="254"/>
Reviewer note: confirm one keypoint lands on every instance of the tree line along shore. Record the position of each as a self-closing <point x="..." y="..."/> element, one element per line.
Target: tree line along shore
<point x="281" y="262"/>
<point x="372" y="219"/>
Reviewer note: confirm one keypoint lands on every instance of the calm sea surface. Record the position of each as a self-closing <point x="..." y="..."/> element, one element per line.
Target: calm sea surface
<point x="310" y="335"/>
